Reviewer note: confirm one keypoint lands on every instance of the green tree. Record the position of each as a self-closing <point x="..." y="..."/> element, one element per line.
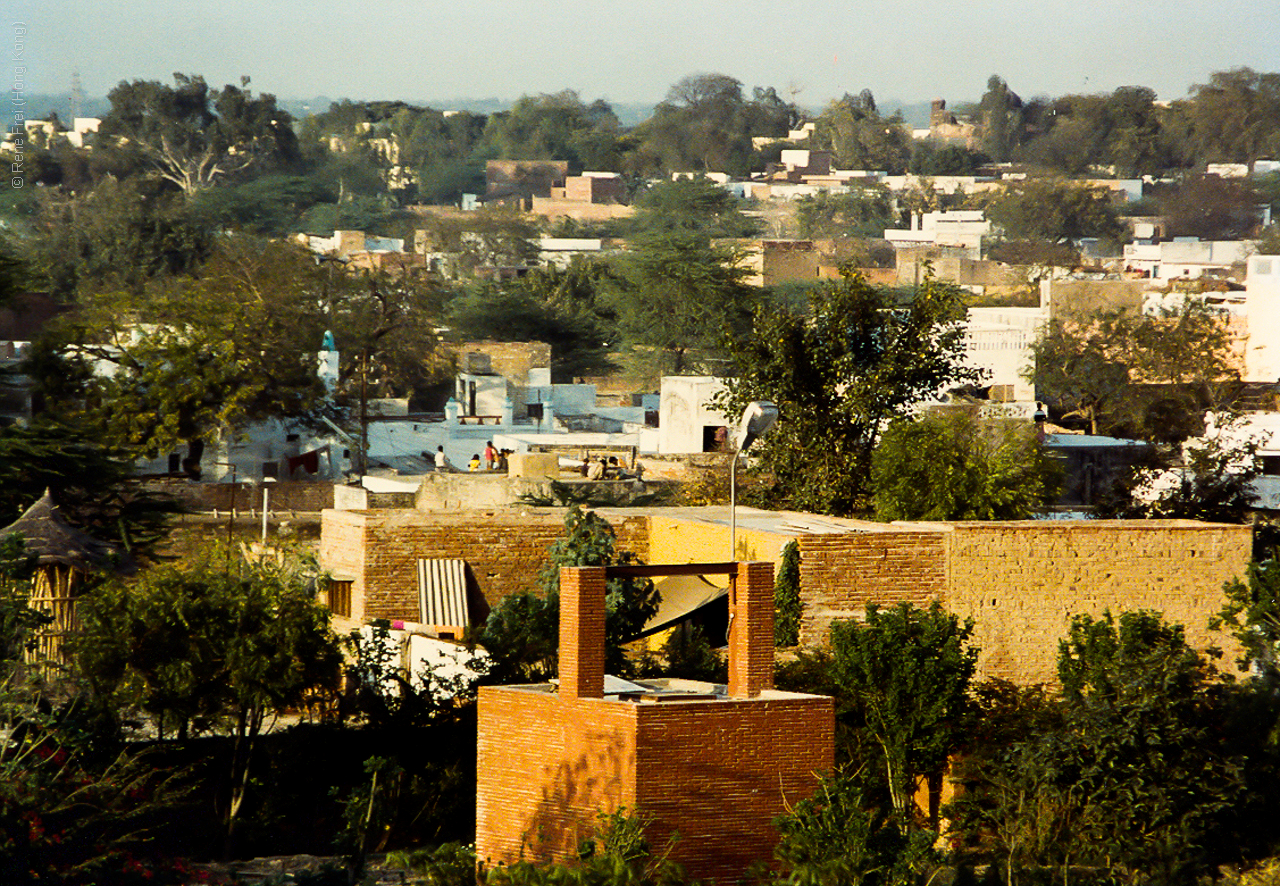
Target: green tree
<point x="1003" y="120"/>
<point x="787" y="603"/>
<point x="1142" y="751"/>
<point x="1231" y="119"/>
<point x="559" y="307"/>
<point x="1213" y="482"/>
<point x="522" y="632"/>
<point x="840" y="835"/>
<point x="1130" y="770"/>
<point x="94" y="487"/>
<point x="1252" y="615"/>
<point x="859" y="137"/>
<point x="119" y="234"/>
<point x="1150" y="376"/>
<point x="211" y="647"/>
<point x="192" y="136"/>
<point x="677" y="290"/>
<point x="1210" y="207"/>
<point x="703" y="125"/>
<point x="234" y="343"/>
<point x="861" y="212"/>
<point x="557" y="127"/>
<point x="954" y="467"/>
<point x="838" y="371"/>
<point x="909" y="671"/>
<point x="1040" y="209"/>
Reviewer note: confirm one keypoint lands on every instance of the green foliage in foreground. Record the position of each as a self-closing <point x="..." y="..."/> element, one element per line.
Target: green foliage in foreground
<point x="840" y="835"/>
<point x="217" y="645"/>
<point x="1131" y="771"/>
<point x="908" y="670"/>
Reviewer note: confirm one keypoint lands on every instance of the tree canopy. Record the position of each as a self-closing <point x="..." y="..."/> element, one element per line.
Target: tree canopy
<point x="855" y="358"/>
<point x="957" y="467"/>
<point x="191" y="135"/>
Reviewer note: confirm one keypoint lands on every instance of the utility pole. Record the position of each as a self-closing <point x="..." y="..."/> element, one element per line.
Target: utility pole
<point x="364" y="413"/>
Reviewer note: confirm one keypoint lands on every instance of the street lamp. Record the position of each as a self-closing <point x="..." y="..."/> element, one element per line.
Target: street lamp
<point x="266" y="505"/>
<point x="757" y="419"/>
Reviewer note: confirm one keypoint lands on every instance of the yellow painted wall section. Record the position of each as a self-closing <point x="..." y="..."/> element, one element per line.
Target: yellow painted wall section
<point x="681" y="540"/>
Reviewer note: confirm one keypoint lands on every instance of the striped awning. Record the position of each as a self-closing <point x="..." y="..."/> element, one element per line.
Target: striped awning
<point x="442" y="592"/>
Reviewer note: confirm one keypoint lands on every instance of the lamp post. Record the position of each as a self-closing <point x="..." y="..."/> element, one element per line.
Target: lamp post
<point x="231" y="511"/>
<point x="758" y="417"/>
<point x="266" y="505"/>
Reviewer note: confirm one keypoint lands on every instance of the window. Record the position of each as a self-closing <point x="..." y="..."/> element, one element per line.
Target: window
<point x="340" y="597"/>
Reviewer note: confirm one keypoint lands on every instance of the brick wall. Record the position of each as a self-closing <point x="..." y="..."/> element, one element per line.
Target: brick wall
<point x="716" y="772"/>
<point x="841" y="574"/>
<point x="720" y="772"/>
<point x="505" y="551"/>
<point x="1022" y="582"/>
<point x="286" y="495"/>
<point x="545" y="767"/>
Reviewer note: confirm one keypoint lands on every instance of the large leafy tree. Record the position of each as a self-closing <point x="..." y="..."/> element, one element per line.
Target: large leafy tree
<point x="1234" y="118"/>
<point x="1130" y="770"/>
<point x="860" y="137"/>
<point x="838" y="371"/>
<point x="1143" y="755"/>
<point x="233" y="343"/>
<point x="1148" y="375"/>
<point x="857" y="213"/>
<point x="92" y="486"/>
<point x="557" y="127"/>
<point x="955" y="467"/>
<point x="1003" y="119"/>
<point x="558" y="307"/>
<point x="1040" y="209"/>
<point x="705" y="124"/>
<point x="122" y="233"/>
<point x="193" y="136"/>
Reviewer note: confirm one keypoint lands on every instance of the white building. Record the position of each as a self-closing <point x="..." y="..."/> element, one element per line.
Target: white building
<point x="1262" y="308"/>
<point x="963" y="228"/>
<point x="687" y="421"/>
<point x="1187" y="257"/>
<point x="998" y="342"/>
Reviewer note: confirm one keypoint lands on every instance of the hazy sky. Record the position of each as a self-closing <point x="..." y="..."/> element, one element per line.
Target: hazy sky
<point x="633" y="51"/>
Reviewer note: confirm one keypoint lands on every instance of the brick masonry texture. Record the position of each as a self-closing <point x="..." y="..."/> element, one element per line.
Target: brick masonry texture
<point x="715" y="772"/>
<point x="505" y="551"/>
<point x="841" y="574"/>
<point x="582" y="612"/>
<point x="1020" y="582"/>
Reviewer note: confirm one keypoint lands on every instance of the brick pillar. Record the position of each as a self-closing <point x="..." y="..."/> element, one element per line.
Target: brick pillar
<point x="751" y="631"/>
<point x="582" y="632"/>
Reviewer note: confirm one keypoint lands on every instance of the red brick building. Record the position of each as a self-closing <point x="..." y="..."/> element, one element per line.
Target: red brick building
<point x="716" y="768"/>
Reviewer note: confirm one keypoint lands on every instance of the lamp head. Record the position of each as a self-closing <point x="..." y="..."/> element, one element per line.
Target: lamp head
<point x="757" y="419"/>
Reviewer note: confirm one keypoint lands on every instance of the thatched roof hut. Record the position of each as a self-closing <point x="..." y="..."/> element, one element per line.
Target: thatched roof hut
<point x="64" y="555"/>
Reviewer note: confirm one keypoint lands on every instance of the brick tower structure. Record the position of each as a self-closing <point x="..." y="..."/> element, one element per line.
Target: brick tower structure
<point x="714" y="765"/>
